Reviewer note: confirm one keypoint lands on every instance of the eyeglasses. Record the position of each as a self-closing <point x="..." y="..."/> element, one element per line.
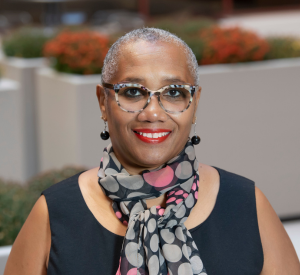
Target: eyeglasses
<point x="133" y="97"/>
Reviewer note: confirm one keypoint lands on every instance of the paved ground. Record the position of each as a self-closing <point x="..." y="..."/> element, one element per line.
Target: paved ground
<point x="266" y="24"/>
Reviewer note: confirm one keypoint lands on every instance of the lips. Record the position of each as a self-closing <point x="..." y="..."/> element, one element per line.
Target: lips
<point x="152" y="135"/>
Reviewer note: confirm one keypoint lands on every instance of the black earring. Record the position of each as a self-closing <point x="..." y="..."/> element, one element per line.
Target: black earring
<point x="104" y="134"/>
<point x="195" y="139"/>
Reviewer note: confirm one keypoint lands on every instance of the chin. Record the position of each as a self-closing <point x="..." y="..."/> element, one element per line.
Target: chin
<point x="152" y="157"/>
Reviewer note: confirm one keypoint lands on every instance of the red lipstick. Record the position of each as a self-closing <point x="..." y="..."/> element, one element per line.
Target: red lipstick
<point x="152" y="135"/>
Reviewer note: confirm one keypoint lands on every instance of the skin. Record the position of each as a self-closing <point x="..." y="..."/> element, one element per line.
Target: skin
<point x="153" y="64"/>
<point x="142" y="62"/>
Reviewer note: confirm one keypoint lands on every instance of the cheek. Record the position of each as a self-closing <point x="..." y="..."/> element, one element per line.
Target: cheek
<point x="185" y="130"/>
<point x="113" y="116"/>
<point x="184" y="121"/>
<point x="118" y="120"/>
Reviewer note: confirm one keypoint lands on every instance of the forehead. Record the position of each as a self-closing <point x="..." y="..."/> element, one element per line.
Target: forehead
<point x="152" y="61"/>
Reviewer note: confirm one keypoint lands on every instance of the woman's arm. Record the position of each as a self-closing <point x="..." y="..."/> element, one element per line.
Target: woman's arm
<point x="279" y="254"/>
<point x="31" y="248"/>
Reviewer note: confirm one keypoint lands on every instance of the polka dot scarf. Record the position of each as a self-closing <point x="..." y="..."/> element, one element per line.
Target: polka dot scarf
<point x="156" y="241"/>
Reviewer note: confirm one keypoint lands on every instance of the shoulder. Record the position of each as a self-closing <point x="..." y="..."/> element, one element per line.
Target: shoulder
<point x="235" y="179"/>
<point x="37" y="230"/>
<point x="88" y="182"/>
<point x="210" y="177"/>
<point x="25" y="251"/>
<point x="228" y="194"/>
<point x="208" y="189"/>
<point x="207" y="173"/>
<point x="88" y="178"/>
<point x="57" y="187"/>
<point x="279" y="253"/>
<point x="209" y="183"/>
<point x="63" y="192"/>
<point x="61" y="199"/>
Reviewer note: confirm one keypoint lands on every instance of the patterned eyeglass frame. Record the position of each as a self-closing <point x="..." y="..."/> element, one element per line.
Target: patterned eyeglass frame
<point x="117" y="87"/>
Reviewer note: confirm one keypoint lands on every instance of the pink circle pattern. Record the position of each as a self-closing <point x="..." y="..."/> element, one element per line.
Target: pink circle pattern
<point x="167" y="246"/>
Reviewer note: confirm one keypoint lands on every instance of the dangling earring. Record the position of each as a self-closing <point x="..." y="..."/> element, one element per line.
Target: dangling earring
<point x="104" y="134"/>
<point x="195" y="139"/>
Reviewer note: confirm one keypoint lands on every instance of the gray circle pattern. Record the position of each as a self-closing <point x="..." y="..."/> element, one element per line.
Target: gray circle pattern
<point x="156" y="242"/>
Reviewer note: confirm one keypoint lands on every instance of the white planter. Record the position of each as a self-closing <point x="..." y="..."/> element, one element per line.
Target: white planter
<point x="4" y="253"/>
<point x="22" y="71"/>
<point x="248" y="120"/>
<point x="69" y="120"/>
<point x="12" y="157"/>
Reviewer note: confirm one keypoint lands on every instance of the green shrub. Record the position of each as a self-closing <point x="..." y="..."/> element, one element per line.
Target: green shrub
<point x="192" y="27"/>
<point x="283" y="47"/>
<point x="25" y="43"/>
<point x="14" y="210"/>
<point x="183" y="28"/>
<point x="16" y="201"/>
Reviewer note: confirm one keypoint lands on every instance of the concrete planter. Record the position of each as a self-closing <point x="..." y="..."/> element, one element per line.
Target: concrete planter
<point x="13" y="156"/>
<point x="4" y="253"/>
<point x="69" y="120"/>
<point x="22" y="71"/>
<point x="248" y="120"/>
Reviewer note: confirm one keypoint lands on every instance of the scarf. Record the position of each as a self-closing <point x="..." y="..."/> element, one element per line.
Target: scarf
<point x="156" y="241"/>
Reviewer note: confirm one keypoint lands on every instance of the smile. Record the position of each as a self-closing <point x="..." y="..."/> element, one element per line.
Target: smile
<point x="152" y="135"/>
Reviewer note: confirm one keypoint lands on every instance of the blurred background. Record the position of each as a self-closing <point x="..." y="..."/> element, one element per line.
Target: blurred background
<point x="51" y="55"/>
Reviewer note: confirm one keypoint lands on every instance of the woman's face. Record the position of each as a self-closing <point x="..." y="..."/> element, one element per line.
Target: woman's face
<point x="153" y="65"/>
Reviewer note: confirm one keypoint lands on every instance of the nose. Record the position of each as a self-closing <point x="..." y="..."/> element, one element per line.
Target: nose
<point x="153" y="112"/>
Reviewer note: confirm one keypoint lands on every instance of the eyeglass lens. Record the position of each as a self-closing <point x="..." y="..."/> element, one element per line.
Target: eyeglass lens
<point x="173" y="99"/>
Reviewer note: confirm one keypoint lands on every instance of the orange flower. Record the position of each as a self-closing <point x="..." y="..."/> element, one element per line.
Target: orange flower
<point x="231" y="45"/>
<point x="78" y="52"/>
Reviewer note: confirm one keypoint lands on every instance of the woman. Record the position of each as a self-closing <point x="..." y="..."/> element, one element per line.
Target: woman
<point x="151" y="208"/>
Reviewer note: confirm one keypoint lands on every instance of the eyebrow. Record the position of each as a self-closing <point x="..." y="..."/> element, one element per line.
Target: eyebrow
<point x="132" y="79"/>
<point x="173" y="80"/>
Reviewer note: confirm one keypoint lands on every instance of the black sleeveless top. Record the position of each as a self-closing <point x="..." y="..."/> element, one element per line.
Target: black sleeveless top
<point x="228" y="240"/>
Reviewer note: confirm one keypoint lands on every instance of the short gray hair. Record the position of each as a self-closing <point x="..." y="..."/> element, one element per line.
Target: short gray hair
<point x="151" y="35"/>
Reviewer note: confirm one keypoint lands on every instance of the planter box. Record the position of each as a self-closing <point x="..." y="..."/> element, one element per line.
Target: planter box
<point x="22" y="71"/>
<point x="248" y="120"/>
<point x="4" y="252"/>
<point x="13" y="157"/>
<point x="69" y="122"/>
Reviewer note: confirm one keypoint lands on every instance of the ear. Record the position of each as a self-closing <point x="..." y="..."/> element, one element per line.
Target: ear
<point x="197" y="98"/>
<point x="100" y="92"/>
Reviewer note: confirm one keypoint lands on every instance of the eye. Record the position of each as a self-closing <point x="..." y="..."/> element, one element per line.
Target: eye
<point x="132" y="92"/>
<point x="173" y="93"/>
